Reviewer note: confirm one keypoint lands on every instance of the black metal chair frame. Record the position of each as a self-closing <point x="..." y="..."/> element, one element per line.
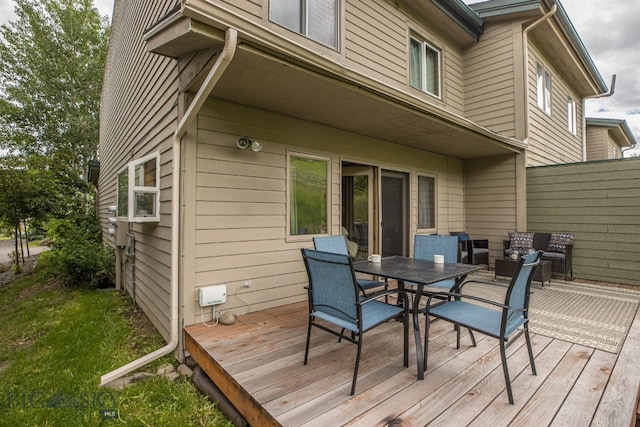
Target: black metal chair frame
<point x="508" y="314"/>
<point x="344" y="261"/>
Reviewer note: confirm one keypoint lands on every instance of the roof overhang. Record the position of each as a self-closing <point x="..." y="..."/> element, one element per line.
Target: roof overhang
<point x="441" y="14"/>
<point x="618" y="130"/>
<point x="298" y="83"/>
<point x="562" y="44"/>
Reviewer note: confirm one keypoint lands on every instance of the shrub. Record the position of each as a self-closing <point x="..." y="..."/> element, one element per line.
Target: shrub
<point x="77" y="258"/>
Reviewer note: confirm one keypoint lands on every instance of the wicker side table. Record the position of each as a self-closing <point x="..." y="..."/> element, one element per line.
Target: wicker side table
<point x="507" y="267"/>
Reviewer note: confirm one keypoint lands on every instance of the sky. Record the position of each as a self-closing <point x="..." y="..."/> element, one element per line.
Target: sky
<point x="609" y="31"/>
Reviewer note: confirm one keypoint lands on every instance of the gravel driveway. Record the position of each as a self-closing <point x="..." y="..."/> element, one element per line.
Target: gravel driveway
<point x="7" y="246"/>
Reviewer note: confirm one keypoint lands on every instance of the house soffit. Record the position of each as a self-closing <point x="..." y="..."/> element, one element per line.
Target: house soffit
<point x="275" y="81"/>
<point x="261" y="81"/>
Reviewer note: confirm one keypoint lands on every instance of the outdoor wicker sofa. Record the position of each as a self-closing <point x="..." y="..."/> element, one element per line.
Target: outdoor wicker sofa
<point x="556" y="247"/>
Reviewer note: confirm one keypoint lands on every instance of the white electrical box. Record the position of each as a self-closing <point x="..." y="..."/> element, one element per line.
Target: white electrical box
<point x="212" y="295"/>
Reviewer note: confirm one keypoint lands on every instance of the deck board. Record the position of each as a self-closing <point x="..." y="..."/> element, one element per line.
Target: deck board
<point x="257" y="363"/>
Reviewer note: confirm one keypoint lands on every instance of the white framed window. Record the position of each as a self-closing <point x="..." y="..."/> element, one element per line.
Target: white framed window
<point x="572" y="116"/>
<point x="138" y="197"/>
<point x="426" y="202"/>
<point x="543" y="88"/>
<point x="315" y="19"/>
<point x="424" y="66"/>
<point x="309" y="188"/>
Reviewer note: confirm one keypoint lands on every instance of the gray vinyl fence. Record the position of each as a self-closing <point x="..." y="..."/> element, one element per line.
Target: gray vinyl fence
<point x="599" y="202"/>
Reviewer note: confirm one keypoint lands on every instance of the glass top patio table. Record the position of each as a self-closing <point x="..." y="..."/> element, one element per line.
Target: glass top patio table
<point x="423" y="273"/>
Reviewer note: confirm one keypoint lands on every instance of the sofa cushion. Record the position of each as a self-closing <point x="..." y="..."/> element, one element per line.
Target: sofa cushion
<point x="521" y="241"/>
<point x="552" y="255"/>
<point x="559" y="241"/>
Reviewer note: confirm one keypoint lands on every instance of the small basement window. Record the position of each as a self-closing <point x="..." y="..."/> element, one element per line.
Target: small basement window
<point x="139" y="190"/>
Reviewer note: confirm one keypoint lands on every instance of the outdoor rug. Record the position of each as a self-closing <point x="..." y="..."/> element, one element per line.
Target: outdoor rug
<point x="592" y="315"/>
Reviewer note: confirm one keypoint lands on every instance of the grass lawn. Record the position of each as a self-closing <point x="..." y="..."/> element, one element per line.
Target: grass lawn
<point x="54" y="346"/>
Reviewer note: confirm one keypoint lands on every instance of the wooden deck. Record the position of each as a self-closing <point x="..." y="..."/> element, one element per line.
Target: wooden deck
<point x="257" y="363"/>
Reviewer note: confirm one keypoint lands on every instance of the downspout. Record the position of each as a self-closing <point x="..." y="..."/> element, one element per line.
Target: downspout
<point x="521" y="160"/>
<point x="525" y="68"/>
<point x="584" y="116"/>
<point x="219" y="67"/>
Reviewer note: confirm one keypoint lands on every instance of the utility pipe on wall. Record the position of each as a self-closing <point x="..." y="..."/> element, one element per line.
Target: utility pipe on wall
<point x="221" y="64"/>
<point x="521" y="160"/>
<point x="525" y="67"/>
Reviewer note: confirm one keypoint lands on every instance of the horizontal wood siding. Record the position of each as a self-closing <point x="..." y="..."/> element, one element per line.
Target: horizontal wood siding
<point x="600" y="203"/>
<point x="138" y="117"/>
<point x="489" y="77"/>
<point x="490" y="200"/>
<point x="596" y="143"/>
<point x="550" y="141"/>
<point x="612" y="150"/>
<point x="375" y="40"/>
<point x="240" y="201"/>
<point x="376" y="44"/>
<point x="246" y="8"/>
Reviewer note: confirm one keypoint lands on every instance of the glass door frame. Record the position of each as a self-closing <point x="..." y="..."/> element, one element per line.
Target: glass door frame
<point x="371" y="171"/>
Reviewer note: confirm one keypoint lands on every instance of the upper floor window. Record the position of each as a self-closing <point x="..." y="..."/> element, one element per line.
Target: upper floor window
<point x="426" y="202"/>
<point x="424" y="66"/>
<point x="309" y="193"/>
<point x="138" y="198"/>
<point x="544" y="89"/>
<point x="572" y="116"/>
<point x="316" y="19"/>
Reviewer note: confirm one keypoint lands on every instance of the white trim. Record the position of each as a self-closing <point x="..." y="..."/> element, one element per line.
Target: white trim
<point x="435" y="203"/>
<point x="134" y="190"/>
<point x="425" y="46"/>
<point x="304" y="237"/>
<point x="543" y="88"/>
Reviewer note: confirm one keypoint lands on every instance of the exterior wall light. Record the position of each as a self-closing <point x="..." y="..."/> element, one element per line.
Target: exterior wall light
<point x="256" y="146"/>
<point x="243" y="143"/>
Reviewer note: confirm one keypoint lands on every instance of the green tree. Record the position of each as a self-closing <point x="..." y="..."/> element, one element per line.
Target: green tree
<point x="51" y="64"/>
<point x="26" y="199"/>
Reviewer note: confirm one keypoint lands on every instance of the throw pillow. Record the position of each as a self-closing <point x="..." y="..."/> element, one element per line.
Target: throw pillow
<point x="559" y="241"/>
<point x="521" y="241"/>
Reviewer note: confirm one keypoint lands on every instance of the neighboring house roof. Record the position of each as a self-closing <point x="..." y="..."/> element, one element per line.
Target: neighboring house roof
<point x="573" y="60"/>
<point x="619" y="130"/>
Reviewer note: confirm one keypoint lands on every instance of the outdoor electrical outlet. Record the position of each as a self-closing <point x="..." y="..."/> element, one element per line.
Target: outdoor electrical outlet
<point x="246" y="284"/>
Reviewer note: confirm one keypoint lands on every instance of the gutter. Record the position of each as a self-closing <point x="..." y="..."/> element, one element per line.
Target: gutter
<point x="218" y="69"/>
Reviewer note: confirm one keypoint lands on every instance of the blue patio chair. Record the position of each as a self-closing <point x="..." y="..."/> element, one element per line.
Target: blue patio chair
<point x="426" y="246"/>
<point x="334" y="297"/>
<point x="338" y="245"/>
<point x="506" y="321"/>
